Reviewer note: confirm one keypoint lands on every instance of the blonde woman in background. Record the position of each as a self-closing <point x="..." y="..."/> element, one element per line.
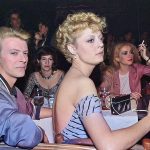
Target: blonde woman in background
<point x="125" y="73"/>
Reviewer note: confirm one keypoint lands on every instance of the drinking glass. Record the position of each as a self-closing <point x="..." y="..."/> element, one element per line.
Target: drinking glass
<point x="38" y="97"/>
<point x="51" y="100"/>
<point x="104" y="92"/>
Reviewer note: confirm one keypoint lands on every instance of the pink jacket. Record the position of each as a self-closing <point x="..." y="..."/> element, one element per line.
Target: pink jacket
<point x="136" y="72"/>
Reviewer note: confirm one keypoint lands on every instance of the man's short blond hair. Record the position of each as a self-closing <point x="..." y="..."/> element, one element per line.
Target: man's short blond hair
<point x="6" y="32"/>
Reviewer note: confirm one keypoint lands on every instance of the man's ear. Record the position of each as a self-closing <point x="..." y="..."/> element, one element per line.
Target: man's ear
<point x="71" y="49"/>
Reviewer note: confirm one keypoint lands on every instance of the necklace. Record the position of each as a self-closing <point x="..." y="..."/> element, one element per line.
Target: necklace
<point x="46" y="78"/>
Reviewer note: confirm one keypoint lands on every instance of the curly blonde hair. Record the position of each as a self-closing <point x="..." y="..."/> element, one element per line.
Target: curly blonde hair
<point x="74" y="24"/>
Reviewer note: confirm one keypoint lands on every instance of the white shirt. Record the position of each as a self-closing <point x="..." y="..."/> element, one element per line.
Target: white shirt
<point x="124" y="84"/>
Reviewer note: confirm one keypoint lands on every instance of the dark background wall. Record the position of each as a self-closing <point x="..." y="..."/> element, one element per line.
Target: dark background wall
<point x="121" y="15"/>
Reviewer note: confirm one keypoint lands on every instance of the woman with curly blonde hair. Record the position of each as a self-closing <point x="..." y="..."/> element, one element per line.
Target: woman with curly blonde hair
<point x="77" y="113"/>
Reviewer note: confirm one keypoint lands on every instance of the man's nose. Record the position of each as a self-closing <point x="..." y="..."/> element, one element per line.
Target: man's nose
<point x="23" y="57"/>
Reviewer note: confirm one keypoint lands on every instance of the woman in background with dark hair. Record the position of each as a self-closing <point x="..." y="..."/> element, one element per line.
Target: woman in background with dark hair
<point x="47" y="77"/>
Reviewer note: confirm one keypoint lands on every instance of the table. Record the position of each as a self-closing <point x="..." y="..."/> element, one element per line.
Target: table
<point x="114" y="121"/>
<point x="43" y="146"/>
<point x="120" y="121"/>
<point x="47" y="125"/>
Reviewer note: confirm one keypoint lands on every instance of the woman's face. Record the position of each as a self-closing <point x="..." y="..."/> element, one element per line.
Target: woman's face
<point x="89" y="46"/>
<point x="46" y="62"/>
<point x="126" y="55"/>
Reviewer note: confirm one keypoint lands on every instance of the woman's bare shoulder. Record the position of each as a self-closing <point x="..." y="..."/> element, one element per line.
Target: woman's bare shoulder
<point x="86" y="87"/>
<point x="60" y="72"/>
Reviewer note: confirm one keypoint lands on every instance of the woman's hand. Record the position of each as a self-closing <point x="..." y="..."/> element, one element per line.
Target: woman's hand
<point x="136" y="95"/>
<point x="142" y="50"/>
<point x="38" y="36"/>
<point x="45" y="138"/>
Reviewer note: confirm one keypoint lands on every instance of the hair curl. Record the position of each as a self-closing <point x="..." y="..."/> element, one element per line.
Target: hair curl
<point x="75" y="23"/>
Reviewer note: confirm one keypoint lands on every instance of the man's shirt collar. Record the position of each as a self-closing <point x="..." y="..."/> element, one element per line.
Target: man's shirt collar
<point x="12" y="90"/>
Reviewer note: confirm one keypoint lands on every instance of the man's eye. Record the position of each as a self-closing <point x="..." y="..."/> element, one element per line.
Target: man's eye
<point x="90" y="41"/>
<point x="26" y="53"/>
<point x="14" y="53"/>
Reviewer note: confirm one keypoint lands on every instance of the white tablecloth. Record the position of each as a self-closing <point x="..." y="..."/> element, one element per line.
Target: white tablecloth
<point x="120" y="121"/>
<point x="114" y="121"/>
<point x="47" y="125"/>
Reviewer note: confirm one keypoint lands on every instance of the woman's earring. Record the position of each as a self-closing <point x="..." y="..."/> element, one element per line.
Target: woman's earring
<point x="75" y="57"/>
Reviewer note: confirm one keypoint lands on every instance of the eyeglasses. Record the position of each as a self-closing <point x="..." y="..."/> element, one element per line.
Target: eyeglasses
<point x="127" y="52"/>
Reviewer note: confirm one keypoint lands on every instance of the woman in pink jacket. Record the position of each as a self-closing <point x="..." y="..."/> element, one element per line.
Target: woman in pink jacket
<point x="125" y="73"/>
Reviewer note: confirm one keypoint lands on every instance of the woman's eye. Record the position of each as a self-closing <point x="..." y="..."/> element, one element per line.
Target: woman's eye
<point x="124" y="53"/>
<point x="90" y="41"/>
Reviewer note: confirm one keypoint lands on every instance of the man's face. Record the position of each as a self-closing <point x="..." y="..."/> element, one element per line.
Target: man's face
<point x="13" y="57"/>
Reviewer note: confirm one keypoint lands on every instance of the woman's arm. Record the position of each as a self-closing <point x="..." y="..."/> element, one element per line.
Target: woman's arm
<point x="144" y="53"/>
<point x="45" y="113"/>
<point x="104" y="138"/>
<point x="100" y="132"/>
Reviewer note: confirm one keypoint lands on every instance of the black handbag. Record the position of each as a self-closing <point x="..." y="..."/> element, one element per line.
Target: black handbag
<point x="120" y="104"/>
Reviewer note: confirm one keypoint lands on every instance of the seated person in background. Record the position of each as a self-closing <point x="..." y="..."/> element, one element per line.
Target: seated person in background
<point x="41" y="37"/>
<point x="16" y="126"/>
<point x="78" y="112"/>
<point x="47" y="78"/>
<point x="125" y="73"/>
<point x="14" y="20"/>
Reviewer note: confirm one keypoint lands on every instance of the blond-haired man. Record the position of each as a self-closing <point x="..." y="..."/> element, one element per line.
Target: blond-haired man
<point x="16" y="125"/>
